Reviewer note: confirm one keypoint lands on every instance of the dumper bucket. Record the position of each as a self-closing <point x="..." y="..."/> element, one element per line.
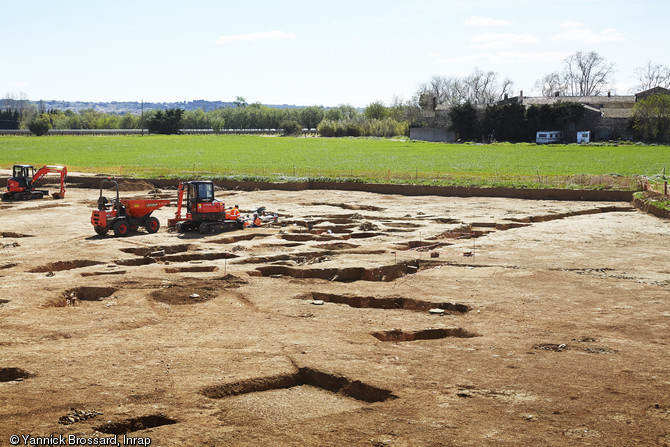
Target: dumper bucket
<point x="142" y="207"/>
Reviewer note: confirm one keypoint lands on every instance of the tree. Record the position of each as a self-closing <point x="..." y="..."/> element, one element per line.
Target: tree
<point x="651" y="117"/>
<point x="651" y="76"/>
<point x="217" y="124"/>
<point x="167" y="123"/>
<point x="479" y="87"/>
<point x="551" y="84"/>
<point x="343" y="111"/>
<point x="40" y="125"/>
<point x="583" y="74"/>
<point x="375" y="111"/>
<point x="483" y="87"/>
<point x="465" y="121"/>
<point x="505" y="123"/>
<point x="290" y="127"/>
<point x="9" y="119"/>
<point x="240" y="101"/>
<point x="587" y="74"/>
<point x="310" y="117"/>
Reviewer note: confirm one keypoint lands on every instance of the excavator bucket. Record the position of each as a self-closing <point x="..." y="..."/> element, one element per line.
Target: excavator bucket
<point x="57" y="195"/>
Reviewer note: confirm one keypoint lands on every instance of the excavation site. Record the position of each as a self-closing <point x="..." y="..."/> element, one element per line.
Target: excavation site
<point x="351" y="319"/>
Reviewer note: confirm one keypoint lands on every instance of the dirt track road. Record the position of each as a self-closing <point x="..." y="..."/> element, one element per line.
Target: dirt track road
<point x="555" y="328"/>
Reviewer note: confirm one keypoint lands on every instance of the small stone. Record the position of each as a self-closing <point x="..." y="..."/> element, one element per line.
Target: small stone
<point x="434" y="254"/>
<point x="157" y="254"/>
<point x="318" y="302"/>
<point x="50" y="274"/>
<point x="436" y="311"/>
<point x="194" y="296"/>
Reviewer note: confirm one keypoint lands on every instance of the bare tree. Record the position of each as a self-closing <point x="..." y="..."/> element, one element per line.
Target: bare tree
<point x="587" y="74"/>
<point x="551" y="84"/>
<point x="478" y="88"/>
<point x="651" y="76"/>
<point x="583" y="74"/>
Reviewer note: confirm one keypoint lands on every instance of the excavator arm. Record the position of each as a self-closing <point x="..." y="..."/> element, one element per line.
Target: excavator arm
<point x="51" y="169"/>
<point x="180" y="199"/>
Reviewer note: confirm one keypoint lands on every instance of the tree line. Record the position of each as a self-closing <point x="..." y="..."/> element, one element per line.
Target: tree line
<point x="468" y="100"/>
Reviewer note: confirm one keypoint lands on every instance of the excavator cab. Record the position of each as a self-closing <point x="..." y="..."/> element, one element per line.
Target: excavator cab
<point x="203" y="211"/>
<point x="199" y="192"/>
<point x="23" y="174"/>
<point x="200" y="202"/>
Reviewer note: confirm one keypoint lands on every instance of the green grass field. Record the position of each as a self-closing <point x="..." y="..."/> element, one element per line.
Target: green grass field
<point x="378" y="160"/>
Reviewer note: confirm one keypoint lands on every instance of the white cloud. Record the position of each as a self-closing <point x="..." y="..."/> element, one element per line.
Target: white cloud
<point x="255" y="37"/>
<point x="501" y="40"/>
<point x="485" y="21"/>
<point x="588" y="36"/>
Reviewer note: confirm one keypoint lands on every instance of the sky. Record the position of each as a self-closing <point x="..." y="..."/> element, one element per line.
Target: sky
<point x="309" y="52"/>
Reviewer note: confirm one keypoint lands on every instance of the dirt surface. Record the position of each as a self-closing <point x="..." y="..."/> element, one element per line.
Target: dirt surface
<point x="394" y="321"/>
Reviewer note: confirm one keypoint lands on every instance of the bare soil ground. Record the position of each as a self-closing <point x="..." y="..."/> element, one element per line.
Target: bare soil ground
<point x="554" y="331"/>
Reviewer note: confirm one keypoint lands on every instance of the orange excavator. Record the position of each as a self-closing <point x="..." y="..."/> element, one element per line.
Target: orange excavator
<point x="23" y="183"/>
<point x="203" y="211"/>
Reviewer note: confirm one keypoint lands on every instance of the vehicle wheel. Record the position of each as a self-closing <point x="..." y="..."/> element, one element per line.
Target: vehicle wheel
<point x="152" y="225"/>
<point x="101" y="230"/>
<point x="204" y="228"/>
<point x="121" y="228"/>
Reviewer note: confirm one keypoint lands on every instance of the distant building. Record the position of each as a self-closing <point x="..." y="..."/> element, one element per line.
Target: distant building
<point x="605" y="117"/>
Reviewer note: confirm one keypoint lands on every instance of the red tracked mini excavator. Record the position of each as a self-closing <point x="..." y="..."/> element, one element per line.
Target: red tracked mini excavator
<point x="202" y="211"/>
<point x="24" y="180"/>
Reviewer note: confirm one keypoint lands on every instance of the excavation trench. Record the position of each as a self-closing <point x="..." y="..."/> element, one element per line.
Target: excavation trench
<point x="304" y="376"/>
<point x="135" y="424"/>
<point x="90" y="293"/>
<point x="157" y="250"/>
<point x="235" y="239"/>
<point x="134" y="262"/>
<point x="557" y="216"/>
<point x="186" y="257"/>
<point x="11" y="374"/>
<point x="336" y="220"/>
<point x="182" y="295"/>
<point x="297" y="257"/>
<point x="365" y="302"/>
<point x="194" y="268"/>
<point x="13" y="235"/>
<point x="348" y="206"/>
<point x="398" y="335"/>
<point x="384" y="274"/>
<point x="421" y="245"/>
<point x="334" y="229"/>
<point x="63" y="265"/>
